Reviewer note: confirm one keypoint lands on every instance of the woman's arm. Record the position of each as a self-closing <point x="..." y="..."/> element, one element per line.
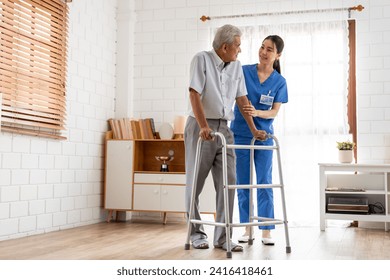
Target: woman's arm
<point x="265" y="114"/>
<point x="241" y="103"/>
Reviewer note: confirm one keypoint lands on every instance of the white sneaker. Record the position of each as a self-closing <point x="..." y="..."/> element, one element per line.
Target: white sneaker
<point x="267" y="241"/>
<point x="245" y="237"/>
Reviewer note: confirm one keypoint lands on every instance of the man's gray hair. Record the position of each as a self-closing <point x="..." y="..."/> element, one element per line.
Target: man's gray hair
<point x="225" y="34"/>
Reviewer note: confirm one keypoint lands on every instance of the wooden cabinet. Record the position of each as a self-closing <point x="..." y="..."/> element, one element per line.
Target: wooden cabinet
<point x="352" y="182"/>
<point x="134" y="181"/>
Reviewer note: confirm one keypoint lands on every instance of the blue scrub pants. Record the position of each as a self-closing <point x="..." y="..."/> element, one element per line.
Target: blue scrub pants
<point x="263" y="168"/>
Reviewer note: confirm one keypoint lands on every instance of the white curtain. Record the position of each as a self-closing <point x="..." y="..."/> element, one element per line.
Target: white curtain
<point x="315" y="63"/>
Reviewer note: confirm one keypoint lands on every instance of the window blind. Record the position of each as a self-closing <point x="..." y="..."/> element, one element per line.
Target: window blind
<point x="33" y="49"/>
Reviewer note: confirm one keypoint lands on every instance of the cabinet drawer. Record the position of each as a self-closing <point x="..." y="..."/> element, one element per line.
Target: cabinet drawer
<point x="176" y="179"/>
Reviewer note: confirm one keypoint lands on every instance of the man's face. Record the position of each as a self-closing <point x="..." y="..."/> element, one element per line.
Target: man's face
<point x="232" y="50"/>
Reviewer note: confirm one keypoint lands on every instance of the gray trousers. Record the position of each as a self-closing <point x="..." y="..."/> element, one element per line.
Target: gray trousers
<point x="210" y="160"/>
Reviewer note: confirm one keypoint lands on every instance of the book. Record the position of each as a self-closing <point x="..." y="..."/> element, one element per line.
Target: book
<point x="115" y="128"/>
<point x="111" y="123"/>
<point x="151" y="127"/>
<point x="136" y="129"/>
<point x="347" y="208"/>
<point x="129" y="129"/>
<point x="123" y="128"/>
<point x="347" y="204"/>
<point x="142" y="128"/>
<point x="335" y="189"/>
<point x="118" y="128"/>
<point x="126" y="128"/>
<point x="148" y="128"/>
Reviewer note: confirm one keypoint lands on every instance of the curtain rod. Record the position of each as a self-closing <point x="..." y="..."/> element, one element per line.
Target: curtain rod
<point x="355" y="8"/>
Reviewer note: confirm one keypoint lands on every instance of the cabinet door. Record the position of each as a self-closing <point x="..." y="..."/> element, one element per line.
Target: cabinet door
<point x="118" y="183"/>
<point x="173" y="198"/>
<point x="147" y="197"/>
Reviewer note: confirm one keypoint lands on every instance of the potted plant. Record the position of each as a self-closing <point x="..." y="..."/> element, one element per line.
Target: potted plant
<point x="345" y="151"/>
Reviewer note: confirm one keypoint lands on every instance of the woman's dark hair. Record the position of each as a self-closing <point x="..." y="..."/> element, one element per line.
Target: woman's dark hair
<point x="279" y="44"/>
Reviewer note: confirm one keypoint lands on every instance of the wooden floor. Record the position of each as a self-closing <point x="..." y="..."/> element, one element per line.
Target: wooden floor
<point x="142" y="240"/>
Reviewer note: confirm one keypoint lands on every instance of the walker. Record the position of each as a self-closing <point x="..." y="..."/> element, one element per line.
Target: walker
<point x="253" y="220"/>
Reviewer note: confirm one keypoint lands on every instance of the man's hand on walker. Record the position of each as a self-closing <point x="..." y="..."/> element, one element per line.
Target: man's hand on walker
<point x="204" y="133"/>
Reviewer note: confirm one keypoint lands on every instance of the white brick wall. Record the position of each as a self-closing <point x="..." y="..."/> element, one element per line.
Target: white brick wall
<point x="36" y="207"/>
<point x="373" y="79"/>
<point x="27" y="224"/>
<point x="41" y="180"/>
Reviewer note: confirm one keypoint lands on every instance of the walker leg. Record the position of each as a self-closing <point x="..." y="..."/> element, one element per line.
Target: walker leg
<point x="193" y="192"/>
<point x="288" y="247"/>
<point x="226" y="200"/>
<point x="285" y="222"/>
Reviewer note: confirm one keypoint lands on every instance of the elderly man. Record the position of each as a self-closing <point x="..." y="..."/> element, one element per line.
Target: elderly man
<point x="216" y="82"/>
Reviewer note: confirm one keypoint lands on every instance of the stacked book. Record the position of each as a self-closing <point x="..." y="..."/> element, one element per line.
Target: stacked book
<point x="126" y="128"/>
<point x="339" y="204"/>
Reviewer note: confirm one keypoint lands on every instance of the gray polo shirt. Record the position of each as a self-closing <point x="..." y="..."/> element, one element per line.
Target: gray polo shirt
<point x="217" y="85"/>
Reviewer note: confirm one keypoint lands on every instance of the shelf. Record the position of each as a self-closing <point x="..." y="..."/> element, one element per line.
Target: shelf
<point x="368" y="192"/>
<point x="360" y="217"/>
<point x="159" y="140"/>
<point x="145" y="152"/>
<point x="158" y="172"/>
<point x="373" y="178"/>
<point x="354" y="167"/>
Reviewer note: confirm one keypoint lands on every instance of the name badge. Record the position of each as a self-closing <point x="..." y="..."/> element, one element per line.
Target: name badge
<point x="266" y="99"/>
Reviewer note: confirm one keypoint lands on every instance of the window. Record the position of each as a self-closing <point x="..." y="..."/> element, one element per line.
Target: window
<point x="315" y="63"/>
<point x="33" y="44"/>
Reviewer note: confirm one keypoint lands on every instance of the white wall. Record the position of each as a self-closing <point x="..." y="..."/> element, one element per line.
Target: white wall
<point x="169" y="33"/>
<point x="373" y="82"/>
<point x="48" y="185"/>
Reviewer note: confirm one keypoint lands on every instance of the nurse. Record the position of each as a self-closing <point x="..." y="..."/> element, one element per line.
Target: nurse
<point x="267" y="91"/>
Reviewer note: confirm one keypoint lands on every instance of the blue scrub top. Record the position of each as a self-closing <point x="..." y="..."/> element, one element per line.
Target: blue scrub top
<point x="274" y="86"/>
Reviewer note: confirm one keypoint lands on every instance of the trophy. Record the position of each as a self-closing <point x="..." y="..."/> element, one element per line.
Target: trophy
<point x="165" y="159"/>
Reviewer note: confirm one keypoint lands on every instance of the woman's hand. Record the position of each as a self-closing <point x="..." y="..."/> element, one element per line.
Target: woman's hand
<point x="250" y="110"/>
